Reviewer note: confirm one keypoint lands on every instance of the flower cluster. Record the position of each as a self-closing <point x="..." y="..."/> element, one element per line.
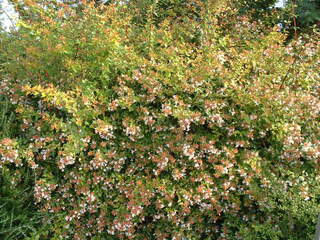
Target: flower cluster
<point x="9" y="153"/>
<point x="64" y="160"/>
<point x="105" y="130"/>
<point x="42" y="190"/>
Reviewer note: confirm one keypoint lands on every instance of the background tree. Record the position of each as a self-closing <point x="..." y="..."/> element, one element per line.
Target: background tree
<point x="258" y="9"/>
<point x="307" y="11"/>
<point x="300" y="16"/>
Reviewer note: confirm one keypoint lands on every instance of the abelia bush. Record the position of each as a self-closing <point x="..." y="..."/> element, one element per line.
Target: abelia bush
<point x="187" y="129"/>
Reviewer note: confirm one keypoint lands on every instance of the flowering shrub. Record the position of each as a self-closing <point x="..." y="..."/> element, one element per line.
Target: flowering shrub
<point x="204" y="129"/>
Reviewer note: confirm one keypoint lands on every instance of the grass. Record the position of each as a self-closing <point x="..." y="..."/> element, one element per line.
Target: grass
<point x="19" y="218"/>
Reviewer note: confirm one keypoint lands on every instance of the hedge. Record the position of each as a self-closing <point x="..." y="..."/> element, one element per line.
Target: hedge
<point x="192" y="128"/>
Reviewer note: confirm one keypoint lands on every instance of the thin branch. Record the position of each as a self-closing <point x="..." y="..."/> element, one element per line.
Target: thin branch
<point x="290" y="68"/>
<point x="9" y="17"/>
<point x="294" y="20"/>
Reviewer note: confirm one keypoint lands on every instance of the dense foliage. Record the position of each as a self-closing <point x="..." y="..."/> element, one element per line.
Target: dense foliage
<point x="180" y="127"/>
